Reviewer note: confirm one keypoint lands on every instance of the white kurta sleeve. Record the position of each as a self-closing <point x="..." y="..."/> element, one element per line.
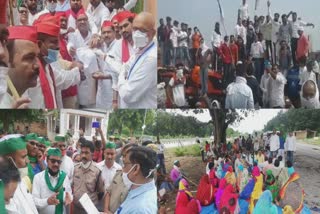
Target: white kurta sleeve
<point x="130" y="4"/>
<point x="66" y="78"/>
<point x="67" y="188"/>
<point x="36" y="193"/>
<point x="141" y="81"/>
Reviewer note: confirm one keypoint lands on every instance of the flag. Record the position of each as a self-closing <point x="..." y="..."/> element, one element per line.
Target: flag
<point x="221" y="11"/>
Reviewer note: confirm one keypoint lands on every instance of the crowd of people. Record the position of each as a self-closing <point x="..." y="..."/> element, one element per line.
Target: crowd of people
<point x="42" y="176"/>
<point x="59" y="54"/>
<point x="248" y="176"/>
<point x="280" y="73"/>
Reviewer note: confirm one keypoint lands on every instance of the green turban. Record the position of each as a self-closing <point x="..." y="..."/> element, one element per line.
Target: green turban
<point x="60" y="138"/>
<point x="11" y="145"/>
<point x="31" y="136"/>
<point x="54" y="152"/>
<point x="110" y="145"/>
<point x="41" y="140"/>
<point x="47" y="143"/>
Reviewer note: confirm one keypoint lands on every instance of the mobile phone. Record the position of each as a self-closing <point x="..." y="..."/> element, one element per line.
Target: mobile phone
<point x="95" y="125"/>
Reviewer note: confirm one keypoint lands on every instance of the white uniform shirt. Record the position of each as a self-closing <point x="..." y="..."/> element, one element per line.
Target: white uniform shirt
<point x="41" y="192"/>
<point x="99" y="14"/>
<point x="138" y="84"/>
<point x="274" y="142"/>
<point x="107" y="174"/>
<point x="22" y="201"/>
<point x="277" y="90"/>
<point x="239" y="95"/>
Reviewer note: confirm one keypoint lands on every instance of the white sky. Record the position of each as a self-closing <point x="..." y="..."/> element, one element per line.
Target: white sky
<point x="254" y="122"/>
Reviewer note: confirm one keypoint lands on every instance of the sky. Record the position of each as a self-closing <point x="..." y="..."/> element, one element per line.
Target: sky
<point x="204" y="13"/>
<point x="254" y="122"/>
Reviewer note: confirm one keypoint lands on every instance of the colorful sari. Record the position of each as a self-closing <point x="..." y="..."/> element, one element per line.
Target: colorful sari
<point x="265" y="205"/>
<point x="227" y="197"/>
<point x="222" y="185"/>
<point x="230" y="177"/>
<point x="183" y="196"/>
<point x="271" y="184"/>
<point x="257" y="190"/>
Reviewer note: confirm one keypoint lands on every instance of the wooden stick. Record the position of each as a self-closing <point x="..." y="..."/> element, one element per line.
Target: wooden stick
<point x="11" y="13"/>
<point x="12" y="89"/>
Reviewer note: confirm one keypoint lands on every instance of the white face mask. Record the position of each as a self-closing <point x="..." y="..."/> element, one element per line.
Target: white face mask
<point x="63" y="31"/>
<point x="127" y="181"/>
<point x="310" y="103"/>
<point x="23" y="172"/>
<point x="3" y="81"/>
<point x="51" y="6"/>
<point x="140" y="39"/>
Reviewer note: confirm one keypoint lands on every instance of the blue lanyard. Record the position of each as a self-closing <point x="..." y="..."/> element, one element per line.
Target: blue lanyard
<point x="139" y="59"/>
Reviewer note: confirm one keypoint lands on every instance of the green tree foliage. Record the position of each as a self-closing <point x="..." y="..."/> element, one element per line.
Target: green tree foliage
<point x="9" y="117"/>
<point x="132" y="120"/>
<point x="295" y="119"/>
<point x="175" y="125"/>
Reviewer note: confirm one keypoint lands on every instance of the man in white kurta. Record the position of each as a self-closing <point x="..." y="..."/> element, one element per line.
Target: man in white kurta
<point x="138" y="82"/>
<point x="78" y="47"/>
<point x="98" y="12"/>
<point x="44" y="198"/>
<point x="14" y="147"/>
<point x="274" y="144"/>
<point x="67" y="164"/>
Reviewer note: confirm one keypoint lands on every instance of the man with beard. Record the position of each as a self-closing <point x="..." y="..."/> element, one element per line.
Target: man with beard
<point x="36" y="162"/>
<point x="51" y="188"/>
<point x="109" y="167"/>
<point x="87" y="178"/>
<point x="32" y="7"/>
<point x="23" y="66"/>
<point x="67" y="163"/>
<point x="138" y="82"/>
<point x="14" y="147"/>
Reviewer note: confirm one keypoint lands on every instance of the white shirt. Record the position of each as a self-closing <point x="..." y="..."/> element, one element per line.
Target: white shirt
<point x="306" y="75"/>
<point x="6" y="101"/>
<point x="22" y="201"/>
<point x="67" y="166"/>
<point x="216" y="39"/>
<point x="41" y="192"/>
<point x="295" y="26"/>
<point x="257" y="50"/>
<point x="174" y="36"/>
<point x="184" y="39"/>
<point x="72" y="24"/>
<point x="239" y="95"/>
<point x="275" y="30"/>
<point x="290" y="144"/>
<point x="139" y="90"/>
<point x="128" y="6"/>
<point x="277" y="90"/>
<point x="160" y="148"/>
<point x="274" y="142"/>
<point x="178" y="93"/>
<point x="98" y="14"/>
<point x="244" y="11"/>
<point x="241" y="31"/>
<point x="104" y="92"/>
<point x="264" y="85"/>
<point x="37" y="15"/>
<point x="107" y="174"/>
<point x="31" y="18"/>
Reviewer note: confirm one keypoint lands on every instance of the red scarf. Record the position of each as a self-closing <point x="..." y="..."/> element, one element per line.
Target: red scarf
<point x="45" y="86"/>
<point x="125" y="50"/>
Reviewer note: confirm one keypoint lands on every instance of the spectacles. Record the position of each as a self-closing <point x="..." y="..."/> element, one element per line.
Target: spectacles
<point x="55" y="161"/>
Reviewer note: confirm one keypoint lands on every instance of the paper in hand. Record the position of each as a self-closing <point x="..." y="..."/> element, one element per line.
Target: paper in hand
<point x="88" y="205"/>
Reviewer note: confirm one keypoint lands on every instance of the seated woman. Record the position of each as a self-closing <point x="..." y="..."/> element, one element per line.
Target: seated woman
<point x="265" y="205"/>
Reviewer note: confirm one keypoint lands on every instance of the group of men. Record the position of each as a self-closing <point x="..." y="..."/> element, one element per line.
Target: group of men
<point x="68" y="56"/>
<point x="39" y="176"/>
<point x="264" y="64"/>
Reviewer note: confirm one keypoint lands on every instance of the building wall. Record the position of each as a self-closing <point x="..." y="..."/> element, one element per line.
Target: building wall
<point x="301" y="134"/>
<point x="39" y="128"/>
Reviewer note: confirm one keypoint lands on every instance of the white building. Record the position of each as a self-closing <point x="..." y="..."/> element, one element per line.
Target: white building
<point x="59" y="122"/>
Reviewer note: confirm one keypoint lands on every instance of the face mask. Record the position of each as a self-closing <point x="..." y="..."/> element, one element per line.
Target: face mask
<point x="3" y="81"/>
<point x="51" y="6"/>
<point x="63" y="31"/>
<point x="310" y="103"/>
<point x="140" y="39"/>
<point x="86" y="165"/>
<point x="126" y="179"/>
<point x="23" y="172"/>
<point x="52" y="56"/>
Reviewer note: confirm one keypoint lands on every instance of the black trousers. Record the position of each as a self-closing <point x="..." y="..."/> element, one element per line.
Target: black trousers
<point x="294" y="45"/>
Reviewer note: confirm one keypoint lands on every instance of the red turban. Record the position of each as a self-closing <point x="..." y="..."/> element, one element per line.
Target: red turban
<point x="107" y="24"/>
<point x="49" y="28"/>
<point x="28" y="33"/>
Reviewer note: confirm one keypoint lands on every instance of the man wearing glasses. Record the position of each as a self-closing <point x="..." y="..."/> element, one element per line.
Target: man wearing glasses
<point x="51" y="188"/>
<point x="67" y="164"/>
<point x="36" y="161"/>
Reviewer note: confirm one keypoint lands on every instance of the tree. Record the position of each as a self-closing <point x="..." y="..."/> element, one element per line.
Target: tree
<point x="9" y="117"/>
